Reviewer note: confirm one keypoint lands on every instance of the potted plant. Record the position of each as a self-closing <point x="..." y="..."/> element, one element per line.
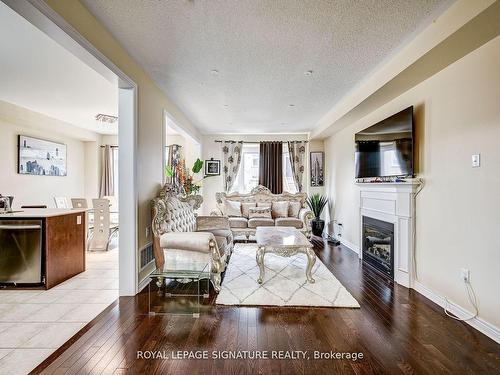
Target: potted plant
<point x="184" y="176"/>
<point x="316" y="203"/>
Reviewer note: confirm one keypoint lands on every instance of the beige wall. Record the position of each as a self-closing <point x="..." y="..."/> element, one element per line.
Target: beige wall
<point x="457" y="115"/>
<point x="151" y="104"/>
<point x="27" y="189"/>
<point x="210" y="149"/>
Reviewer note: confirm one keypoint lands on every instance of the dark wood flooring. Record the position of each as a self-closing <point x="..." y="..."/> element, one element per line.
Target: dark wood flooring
<point x="396" y="329"/>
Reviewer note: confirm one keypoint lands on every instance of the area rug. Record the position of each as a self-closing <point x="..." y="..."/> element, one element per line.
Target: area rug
<point x="284" y="282"/>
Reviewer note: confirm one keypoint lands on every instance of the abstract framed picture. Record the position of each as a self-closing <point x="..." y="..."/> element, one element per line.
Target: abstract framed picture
<point x="317" y="168"/>
<point x="212" y="167"/>
<point x="41" y="157"/>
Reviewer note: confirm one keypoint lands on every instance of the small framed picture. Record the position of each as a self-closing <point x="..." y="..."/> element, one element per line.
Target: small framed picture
<point x="212" y="167"/>
<point x="317" y="168"/>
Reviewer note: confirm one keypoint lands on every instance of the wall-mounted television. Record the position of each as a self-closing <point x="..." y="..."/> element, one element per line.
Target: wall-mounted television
<point x="386" y="148"/>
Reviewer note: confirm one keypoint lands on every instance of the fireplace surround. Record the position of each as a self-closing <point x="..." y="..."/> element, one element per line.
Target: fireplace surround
<point x="392" y="203"/>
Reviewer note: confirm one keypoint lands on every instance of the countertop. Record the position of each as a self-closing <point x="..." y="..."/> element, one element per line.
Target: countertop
<point x="40" y="212"/>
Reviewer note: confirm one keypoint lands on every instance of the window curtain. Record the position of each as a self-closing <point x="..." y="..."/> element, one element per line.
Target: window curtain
<point x="107" y="173"/>
<point x="231" y="152"/>
<point x="297" y="152"/>
<point x="271" y="166"/>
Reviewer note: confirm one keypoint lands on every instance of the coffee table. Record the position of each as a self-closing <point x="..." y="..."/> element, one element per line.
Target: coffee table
<point x="285" y="242"/>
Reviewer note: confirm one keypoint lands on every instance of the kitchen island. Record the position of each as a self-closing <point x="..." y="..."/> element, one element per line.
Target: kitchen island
<point x="41" y="247"/>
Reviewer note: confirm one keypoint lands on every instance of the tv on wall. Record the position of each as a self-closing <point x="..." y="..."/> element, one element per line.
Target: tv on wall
<point x="386" y="148"/>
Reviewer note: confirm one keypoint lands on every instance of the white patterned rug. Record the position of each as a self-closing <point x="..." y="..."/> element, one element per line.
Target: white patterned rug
<point x="284" y="282"/>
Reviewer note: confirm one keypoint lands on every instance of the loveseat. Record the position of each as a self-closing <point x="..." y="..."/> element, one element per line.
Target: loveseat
<point x="260" y="207"/>
<point x="180" y="236"/>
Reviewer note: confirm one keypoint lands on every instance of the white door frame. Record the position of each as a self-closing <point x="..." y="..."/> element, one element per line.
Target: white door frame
<point x="38" y="13"/>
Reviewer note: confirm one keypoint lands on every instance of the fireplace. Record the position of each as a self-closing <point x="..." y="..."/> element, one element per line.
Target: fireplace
<point x="378" y="245"/>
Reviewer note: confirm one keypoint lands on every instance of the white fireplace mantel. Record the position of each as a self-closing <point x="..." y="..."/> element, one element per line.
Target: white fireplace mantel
<point x="392" y="202"/>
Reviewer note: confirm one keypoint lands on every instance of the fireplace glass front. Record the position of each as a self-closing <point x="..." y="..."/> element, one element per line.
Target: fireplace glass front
<point x="378" y="245"/>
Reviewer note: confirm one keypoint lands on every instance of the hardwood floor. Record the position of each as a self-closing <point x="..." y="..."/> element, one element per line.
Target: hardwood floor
<point x="396" y="329"/>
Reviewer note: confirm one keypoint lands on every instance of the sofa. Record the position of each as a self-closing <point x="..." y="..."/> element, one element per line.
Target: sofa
<point x="180" y="236"/>
<point x="260" y="207"/>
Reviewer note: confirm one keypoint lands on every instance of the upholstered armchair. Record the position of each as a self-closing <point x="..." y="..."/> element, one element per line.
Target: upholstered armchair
<point x="181" y="235"/>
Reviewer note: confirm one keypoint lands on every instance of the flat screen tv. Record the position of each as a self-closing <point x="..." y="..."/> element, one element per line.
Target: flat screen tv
<point x="386" y="148"/>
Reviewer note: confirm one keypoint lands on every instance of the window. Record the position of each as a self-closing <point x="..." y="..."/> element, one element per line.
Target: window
<point x="288" y="180"/>
<point x="248" y="175"/>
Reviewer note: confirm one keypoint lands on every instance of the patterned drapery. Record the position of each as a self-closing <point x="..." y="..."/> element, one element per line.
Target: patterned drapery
<point x="231" y="152"/>
<point x="297" y="152"/>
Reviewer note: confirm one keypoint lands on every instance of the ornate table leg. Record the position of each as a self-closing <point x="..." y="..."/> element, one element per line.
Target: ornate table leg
<point x="260" y="263"/>
<point x="311" y="259"/>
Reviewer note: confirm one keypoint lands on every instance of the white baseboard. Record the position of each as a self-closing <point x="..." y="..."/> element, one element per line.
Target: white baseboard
<point x="482" y="326"/>
<point x="350" y="245"/>
<point x="145" y="281"/>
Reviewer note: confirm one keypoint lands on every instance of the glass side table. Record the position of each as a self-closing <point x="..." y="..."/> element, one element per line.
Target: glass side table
<point x="182" y="272"/>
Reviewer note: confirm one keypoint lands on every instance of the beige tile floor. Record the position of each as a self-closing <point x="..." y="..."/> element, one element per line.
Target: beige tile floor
<point x="33" y="324"/>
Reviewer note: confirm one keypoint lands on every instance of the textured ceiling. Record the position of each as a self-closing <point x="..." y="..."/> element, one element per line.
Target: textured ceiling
<point x="261" y="50"/>
<point x="38" y="74"/>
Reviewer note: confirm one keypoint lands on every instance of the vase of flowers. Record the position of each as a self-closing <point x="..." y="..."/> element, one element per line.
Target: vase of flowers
<point x="185" y="176"/>
<point x="317" y="203"/>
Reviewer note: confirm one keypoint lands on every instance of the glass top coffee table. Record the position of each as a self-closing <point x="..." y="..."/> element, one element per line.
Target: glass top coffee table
<point x="285" y="242"/>
<point x="182" y="272"/>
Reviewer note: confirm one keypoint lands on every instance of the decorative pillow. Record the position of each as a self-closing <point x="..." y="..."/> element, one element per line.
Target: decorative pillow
<point x="245" y="208"/>
<point x="260" y="212"/>
<point x="232" y="208"/>
<point x="280" y="209"/>
<point x="264" y="204"/>
<point x="294" y="208"/>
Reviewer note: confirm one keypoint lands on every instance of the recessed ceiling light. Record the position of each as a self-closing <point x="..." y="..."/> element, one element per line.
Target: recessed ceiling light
<point x="214" y="72"/>
<point x="291" y="105"/>
<point x="283" y="123"/>
<point x="308" y="73"/>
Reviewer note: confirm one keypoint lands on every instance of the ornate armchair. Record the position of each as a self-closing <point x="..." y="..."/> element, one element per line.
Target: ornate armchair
<point x="297" y="215"/>
<point x="180" y="234"/>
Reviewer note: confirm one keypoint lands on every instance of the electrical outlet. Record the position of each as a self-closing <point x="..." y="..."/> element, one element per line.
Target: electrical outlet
<point x="465" y="275"/>
<point x="148" y="231"/>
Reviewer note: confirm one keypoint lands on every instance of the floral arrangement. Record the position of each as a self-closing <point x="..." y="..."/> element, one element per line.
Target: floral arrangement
<point x="184" y="176"/>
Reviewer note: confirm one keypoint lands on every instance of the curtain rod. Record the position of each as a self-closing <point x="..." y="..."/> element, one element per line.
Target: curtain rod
<point x="231" y="141"/>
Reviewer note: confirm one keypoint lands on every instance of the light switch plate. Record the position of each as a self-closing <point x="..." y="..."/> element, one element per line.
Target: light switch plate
<point x="78" y="220"/>
<point x="476" y="160"/>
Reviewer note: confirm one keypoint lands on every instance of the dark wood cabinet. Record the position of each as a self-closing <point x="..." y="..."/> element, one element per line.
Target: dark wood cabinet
<point x="63" y="238"/>
<point x="64" y="247"/>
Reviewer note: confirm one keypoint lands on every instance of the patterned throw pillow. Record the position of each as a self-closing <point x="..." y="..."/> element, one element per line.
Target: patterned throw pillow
<point x="232" y="208"/>
<point x="245" y="208"/>
<point x="280" y="209"/>
<point x="260" y="212"/>
<point x="293" y="209"/>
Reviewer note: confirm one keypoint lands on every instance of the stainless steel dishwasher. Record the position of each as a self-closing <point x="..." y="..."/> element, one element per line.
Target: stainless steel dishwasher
<point x="21" y="252"/>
